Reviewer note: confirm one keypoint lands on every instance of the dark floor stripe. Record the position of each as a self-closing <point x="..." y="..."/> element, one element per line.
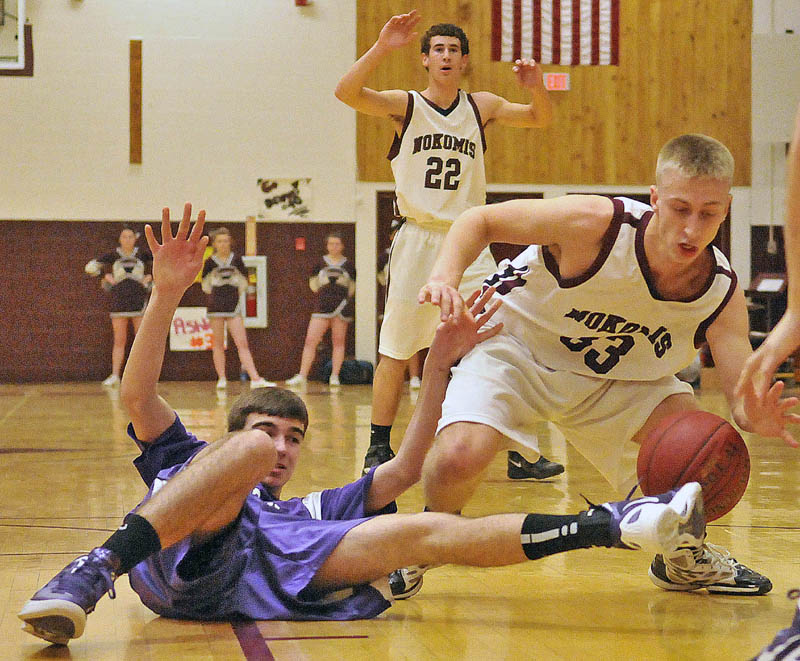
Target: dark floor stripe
<point x="251" y="641"/>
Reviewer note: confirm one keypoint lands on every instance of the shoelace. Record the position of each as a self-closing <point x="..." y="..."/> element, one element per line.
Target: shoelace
<point x="718" y="555"/>
<point x="100" y="580"/>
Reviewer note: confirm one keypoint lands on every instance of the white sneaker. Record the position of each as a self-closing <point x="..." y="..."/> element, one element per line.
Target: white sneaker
<point x="334" y="381"/>
<point x="262" y="383"/>
<point x="414" y="383"/>
<point x="111" y="381"/>
<point x="663" y="523"/>
<point x="222" y="383"/>
<point x="297" y="380"/>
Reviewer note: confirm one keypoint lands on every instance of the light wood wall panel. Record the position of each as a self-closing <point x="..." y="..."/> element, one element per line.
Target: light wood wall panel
<point x="685" y="67"/>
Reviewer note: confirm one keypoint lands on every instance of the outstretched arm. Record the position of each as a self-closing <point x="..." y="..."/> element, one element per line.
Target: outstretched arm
<point x="176" y="262"/>
<point x="728" y="338"/>
<point x="453" y="339"/>
<point x="574" y="223"/>
<point x="536" y="114"/>
<point x="785" y="337"/>
<point x="397" y="33"/>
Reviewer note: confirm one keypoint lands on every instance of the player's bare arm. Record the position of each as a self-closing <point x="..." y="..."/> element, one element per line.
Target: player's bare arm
<point x="398" y="32"/>
<point x="453" y="339"/>
<point x="536" y="114"/>
<point x="730" y="346"/>
<point x="572" y="226"/>
<point x="785" y="337"/>
<point x="176" y="262"/>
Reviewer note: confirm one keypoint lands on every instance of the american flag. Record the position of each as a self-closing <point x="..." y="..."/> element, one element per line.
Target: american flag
<point x="568" y="32"/>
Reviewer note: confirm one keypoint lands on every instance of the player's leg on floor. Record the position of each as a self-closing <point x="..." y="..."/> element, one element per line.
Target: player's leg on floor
<point x="387" y="387"/>
<point x="456" y="464"/>
<point x="200" y="500"/>
<point x="369" y="550"/>
<point x="705" y="566"/>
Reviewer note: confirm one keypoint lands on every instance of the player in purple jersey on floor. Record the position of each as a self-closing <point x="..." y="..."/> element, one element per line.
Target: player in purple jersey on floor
<point x="213" y="540"/>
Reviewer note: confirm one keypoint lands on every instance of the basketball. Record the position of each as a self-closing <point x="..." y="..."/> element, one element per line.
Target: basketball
<point x="696" y="446"/>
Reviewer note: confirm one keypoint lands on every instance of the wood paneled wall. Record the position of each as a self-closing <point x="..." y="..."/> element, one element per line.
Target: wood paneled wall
<point x="54" y="323"/>
<point x="684" y="68"/>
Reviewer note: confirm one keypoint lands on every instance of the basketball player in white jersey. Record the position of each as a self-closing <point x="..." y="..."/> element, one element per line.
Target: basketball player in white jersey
<point x="610" y="299"/>
<point x="437" y="161"/>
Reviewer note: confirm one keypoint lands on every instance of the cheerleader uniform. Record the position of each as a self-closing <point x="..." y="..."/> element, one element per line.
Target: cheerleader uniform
<point x="129" y="293"/>
<point x="224" y="280"/>
<point x="334" y="284"/>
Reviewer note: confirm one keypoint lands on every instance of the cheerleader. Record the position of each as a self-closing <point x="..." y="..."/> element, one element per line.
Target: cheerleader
<point x="334" y="281"/>
<point x="223" y="280"/>
<point x="124" y="277"/>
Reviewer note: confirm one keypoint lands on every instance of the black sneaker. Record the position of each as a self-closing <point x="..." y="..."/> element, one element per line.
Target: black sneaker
<point x="406" y="582"/>
<point x="376" y="455"/>
<point x="519" y="468"/>
<point x="710" y="567"/>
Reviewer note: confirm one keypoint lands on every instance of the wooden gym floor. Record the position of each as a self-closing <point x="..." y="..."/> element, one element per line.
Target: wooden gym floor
<point x="67" y="480"/>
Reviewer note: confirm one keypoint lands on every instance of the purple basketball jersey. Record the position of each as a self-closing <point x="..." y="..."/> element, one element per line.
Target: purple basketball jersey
<point x="261" y="566"/>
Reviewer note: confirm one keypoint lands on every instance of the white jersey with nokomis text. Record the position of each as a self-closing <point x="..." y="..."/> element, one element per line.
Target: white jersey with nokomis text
<point x="437" y="161"/>
<point x="609" y="322"/>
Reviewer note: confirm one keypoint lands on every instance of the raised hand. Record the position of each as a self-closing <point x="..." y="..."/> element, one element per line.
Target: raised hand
<point x="177" y="259"/>
<point x="399" y="30"/>
<point x="766" y="415"/>
<point x="760" y="368"/>
<point x="443" y="296"/>
<point x="459" y="333"/>
<point x="529" y="73"/>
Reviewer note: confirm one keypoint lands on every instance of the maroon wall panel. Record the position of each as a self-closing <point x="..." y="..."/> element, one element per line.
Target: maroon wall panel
<point x="54" y="323"/>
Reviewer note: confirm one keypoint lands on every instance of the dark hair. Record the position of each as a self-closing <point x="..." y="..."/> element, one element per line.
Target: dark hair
<point x="334" y="235"/>
<point x="444" y="30"/>
<point x="279" y="402"/>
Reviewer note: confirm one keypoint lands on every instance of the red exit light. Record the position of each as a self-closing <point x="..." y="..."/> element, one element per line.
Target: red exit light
<point x="556" y="82"/>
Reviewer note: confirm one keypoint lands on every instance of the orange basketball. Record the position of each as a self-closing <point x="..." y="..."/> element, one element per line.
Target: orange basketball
<point x="696" y="446"/>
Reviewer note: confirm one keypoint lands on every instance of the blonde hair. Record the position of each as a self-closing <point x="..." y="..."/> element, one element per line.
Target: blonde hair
<point x="696" y="155"/>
